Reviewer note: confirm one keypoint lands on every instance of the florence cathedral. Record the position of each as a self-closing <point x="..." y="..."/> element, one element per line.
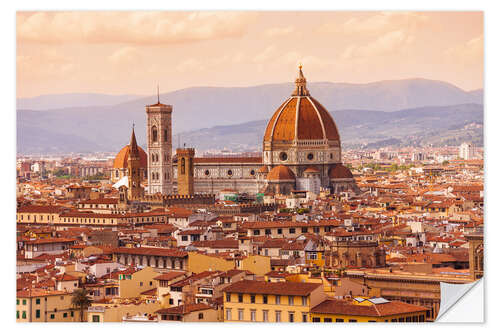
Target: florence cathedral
<point x="301" y="150"/>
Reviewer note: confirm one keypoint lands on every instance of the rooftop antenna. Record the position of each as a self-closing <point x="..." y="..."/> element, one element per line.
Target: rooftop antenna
<point x="158" y="92"/>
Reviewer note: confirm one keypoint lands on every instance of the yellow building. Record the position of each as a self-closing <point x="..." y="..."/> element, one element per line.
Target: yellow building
<point x="133" y="284"/>
<point x="188" y="313"/>
<point x="45" y="306"/>
<point x="114" y="312"/>
<point x="362" y="309"/>
<point x="257" y="264"/>
<point x="259" y="301"/>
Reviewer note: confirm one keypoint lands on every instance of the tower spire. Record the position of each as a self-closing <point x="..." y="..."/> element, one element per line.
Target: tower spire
<point x="134" y="150"/>
<point x="300" y="84"/>
<point x="158" y="92"/>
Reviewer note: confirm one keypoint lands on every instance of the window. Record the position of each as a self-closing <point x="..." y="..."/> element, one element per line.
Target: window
<point x="316" y="229"/>
<point x="268" y="231"/>
<point x="304" y="300"/>
<point x="291" y="316"/>
<point x="339" y="320"/>
<point x="17" y="301"/>
<point x="327" y="320"/>
<point x="310" y="156"/>
<point x="24" y="302"/>
<point x="304" y="317"/>
<point x="291" y="230"/>
<point x="408" y="319"/>
<point x="95" y="318"/>
<point x="252" y="315"/>
<point x="72" y="313"/>
<point x="165" y="136"/>
<point x="37" y="313"/>
<point x="278" y="299"/>
<point x="372" y="321"/>
<point x="17" y="314"/>
<point x="240" y="298"/>
<point x="140" y="284"/>
<point x="256" y="232"/>
<point x="278" y="316"/>
<point x="200" y="315"/>
<point x="353" y="321"/>
<point x="228" y="297"/>
<point x="65" y="315"/>
<point x="264" y="299"/>
<point x="154" y="134"/>
<point x="290" y="300"/>
<point x="265" y="316"/>
<point x="304" y="230"/>
<point x="171" y="301"/>
<point x="280" y="231"/>
<point x="316" y="319"/>
<point x="229" y="172"/>
<point x="228" y="314"/>
<point x="252" y="298"/>
<point x="183" y="166"/>
<point x="184" y="238"/>
<point x="24" y="314"/>
<point x="240" y="314"/>
<point x="52" y="316"/>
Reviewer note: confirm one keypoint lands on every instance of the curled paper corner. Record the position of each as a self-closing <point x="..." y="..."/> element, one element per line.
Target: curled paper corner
<point x="461" y="302"/>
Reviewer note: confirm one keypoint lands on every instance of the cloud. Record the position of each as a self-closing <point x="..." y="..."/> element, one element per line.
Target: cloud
<point x="130" y="27"/>
<point x="468" y="53"/>
<point x="279" y="31"/>
<point x="265" y="55"/>
<point x="376" y="23"/>
<point x="190" y="65"/>
<point x="391" y="42"/>
<point x="48" y="63"/>
<point x="125" y="56"/>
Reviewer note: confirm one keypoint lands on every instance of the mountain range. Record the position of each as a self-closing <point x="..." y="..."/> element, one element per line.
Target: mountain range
<point x="364" y="113"/>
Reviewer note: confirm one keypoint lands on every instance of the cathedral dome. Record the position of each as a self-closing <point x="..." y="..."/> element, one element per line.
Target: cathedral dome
<point x="121" y="159"/>
<point x="301" y="117"/>
<point x="340" y="171"/>
<point x="281" y="172"/>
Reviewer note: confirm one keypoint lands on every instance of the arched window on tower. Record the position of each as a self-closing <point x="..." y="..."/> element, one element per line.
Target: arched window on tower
<point x="183" y="166"/>
<point x="165" y="137"/>
<point x="154" y="134"/>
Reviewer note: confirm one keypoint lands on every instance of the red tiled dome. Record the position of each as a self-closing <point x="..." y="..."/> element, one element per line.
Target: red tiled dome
<point x="311" y="170"/>
<point x="121" y="159"/>
<point x="301" y="117"/>
<point x="281" y="172"/>
<point x="339" y="171"/>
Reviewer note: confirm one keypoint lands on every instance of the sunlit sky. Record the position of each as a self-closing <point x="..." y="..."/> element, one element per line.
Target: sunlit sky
<point x="130" y="52"/>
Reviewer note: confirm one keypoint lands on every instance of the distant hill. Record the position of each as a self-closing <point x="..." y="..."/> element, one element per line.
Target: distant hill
<point x="448" y="125"/>
<point x="60" y="101"/>
<point x="108" y="126"/>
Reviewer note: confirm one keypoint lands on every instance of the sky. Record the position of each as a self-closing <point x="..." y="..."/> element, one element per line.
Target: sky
<point x="131" y="52"/>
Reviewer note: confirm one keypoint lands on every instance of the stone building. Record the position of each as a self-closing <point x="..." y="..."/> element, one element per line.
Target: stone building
<point x="301" y="151"/>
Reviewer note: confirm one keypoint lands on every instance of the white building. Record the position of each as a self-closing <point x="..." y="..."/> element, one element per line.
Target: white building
<point x="466" y="151"/>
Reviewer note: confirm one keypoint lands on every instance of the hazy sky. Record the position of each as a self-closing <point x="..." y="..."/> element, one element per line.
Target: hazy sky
<point x="130" y="52"/>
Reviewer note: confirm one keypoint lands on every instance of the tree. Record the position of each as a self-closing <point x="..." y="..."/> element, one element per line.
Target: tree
<point x="81" y="300"/>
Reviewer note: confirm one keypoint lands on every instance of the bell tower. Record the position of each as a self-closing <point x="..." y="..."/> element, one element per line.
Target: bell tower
<point x="159" y="136"/>
<point x="185" y="171"/>
<point x="135" y="191"/>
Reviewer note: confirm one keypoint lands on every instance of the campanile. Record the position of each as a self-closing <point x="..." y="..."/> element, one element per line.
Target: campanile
<point x="159" y="136"/>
